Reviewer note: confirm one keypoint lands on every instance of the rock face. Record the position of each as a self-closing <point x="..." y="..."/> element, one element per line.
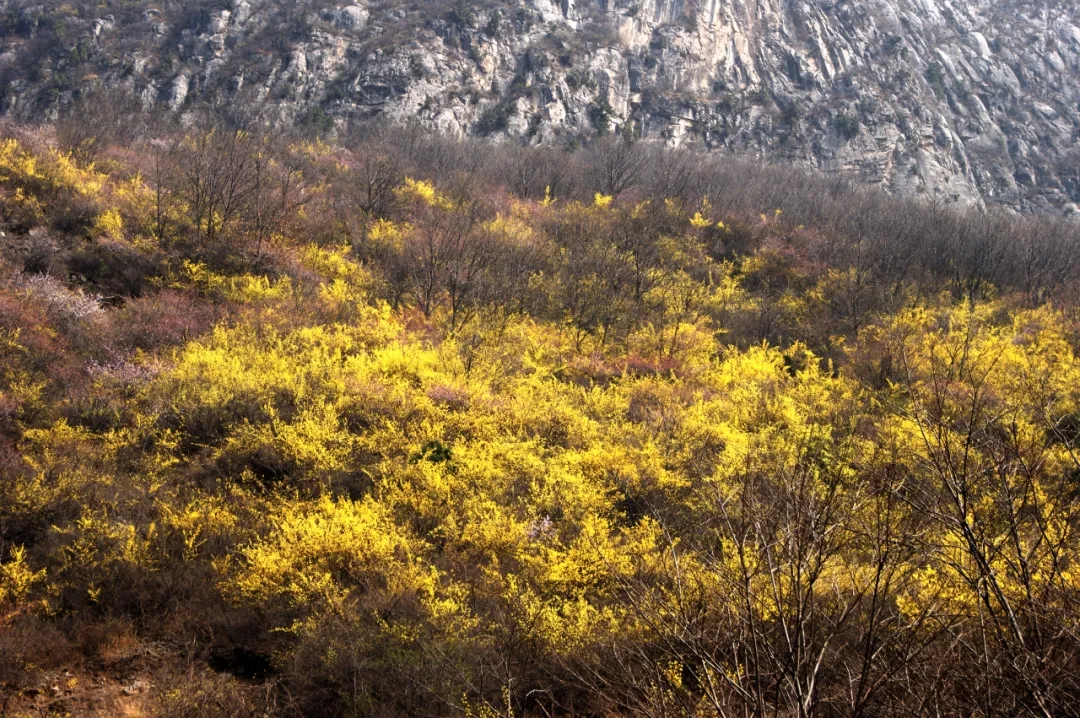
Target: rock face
<point x="969" y="100"/>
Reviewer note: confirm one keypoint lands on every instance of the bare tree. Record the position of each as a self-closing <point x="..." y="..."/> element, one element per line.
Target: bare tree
<point x="215" y="177"/>
<point x="616" y="165"/>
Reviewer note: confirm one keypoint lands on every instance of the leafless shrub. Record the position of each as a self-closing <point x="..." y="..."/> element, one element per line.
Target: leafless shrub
<point x="63" y="303"/>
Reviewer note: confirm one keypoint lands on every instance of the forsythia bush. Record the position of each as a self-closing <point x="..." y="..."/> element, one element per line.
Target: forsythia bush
<point x="16" y="578"/>
<point x="544" y="458"/>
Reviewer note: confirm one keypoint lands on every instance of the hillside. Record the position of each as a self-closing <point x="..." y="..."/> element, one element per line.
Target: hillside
<point x="967" y="100"/>
<point x="407" y="426"/>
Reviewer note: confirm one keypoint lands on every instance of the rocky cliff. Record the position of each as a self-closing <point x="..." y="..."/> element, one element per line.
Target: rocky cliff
<point x="970" y="100"/>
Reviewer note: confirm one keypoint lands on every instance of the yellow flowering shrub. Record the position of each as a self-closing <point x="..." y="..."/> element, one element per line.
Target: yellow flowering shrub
<point x="16" y="578"/>
<point x="501" y="457"/>
<point x="316" y="556"/>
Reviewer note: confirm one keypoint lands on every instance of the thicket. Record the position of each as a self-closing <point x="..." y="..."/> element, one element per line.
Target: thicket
<point x="410" y="426"/>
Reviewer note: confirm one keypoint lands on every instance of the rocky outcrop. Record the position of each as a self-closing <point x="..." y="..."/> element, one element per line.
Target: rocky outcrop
<point x="971" y="101"/>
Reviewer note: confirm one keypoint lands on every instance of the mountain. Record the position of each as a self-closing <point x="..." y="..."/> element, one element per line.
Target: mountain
<point x="971" y="101"/>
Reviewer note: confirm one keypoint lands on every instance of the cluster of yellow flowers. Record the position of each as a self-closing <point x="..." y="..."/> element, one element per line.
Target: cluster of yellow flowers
<point x="482" y="501"/>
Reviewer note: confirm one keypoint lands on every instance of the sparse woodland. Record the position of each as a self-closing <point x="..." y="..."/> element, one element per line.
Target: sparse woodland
<point x="403" y="426"/>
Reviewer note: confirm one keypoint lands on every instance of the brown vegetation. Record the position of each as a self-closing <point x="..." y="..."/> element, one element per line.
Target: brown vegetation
<point x="411" y="426"/>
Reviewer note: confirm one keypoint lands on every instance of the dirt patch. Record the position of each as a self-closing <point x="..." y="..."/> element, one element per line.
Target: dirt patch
<point x="132" y="679"/>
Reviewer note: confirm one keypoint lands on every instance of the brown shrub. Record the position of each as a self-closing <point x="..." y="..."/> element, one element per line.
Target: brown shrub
<point x="167" y="318"/>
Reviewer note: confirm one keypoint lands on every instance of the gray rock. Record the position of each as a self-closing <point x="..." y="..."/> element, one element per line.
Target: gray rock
<point x="178" y="91"/>
<point x="353" y="17"/>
